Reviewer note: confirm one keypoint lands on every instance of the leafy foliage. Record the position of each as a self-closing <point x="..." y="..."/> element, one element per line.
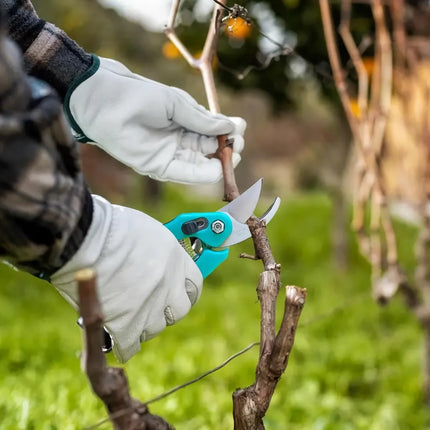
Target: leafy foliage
<point x="354" y="365"/>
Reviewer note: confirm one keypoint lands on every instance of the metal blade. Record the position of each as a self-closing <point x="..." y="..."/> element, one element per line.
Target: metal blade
<point x="242" y="207"/>
<point x="270" y="213"/>
<point x="241" y="231"/>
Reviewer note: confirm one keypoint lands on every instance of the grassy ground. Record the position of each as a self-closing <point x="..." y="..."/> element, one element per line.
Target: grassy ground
<point x="354" y="365"/>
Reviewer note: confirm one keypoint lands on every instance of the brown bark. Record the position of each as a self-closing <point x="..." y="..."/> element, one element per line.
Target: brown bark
<point x="109" y="383"/>
<point x="250" y="404"/>
<point x="224" y="154"/>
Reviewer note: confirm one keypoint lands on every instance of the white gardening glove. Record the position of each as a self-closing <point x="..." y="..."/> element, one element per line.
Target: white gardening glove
<point x="145" y="279"/>
<point x="157" y="130"/>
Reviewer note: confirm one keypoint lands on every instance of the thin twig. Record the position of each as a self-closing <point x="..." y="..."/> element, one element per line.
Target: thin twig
<point x="204" y="64"/>
<point x="368" y="129"/>
<point x="353" y="51"/>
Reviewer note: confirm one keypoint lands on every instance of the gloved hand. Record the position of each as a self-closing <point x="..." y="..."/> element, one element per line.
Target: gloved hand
<point x="157" y="130"/>
<point x="145" y="279"/>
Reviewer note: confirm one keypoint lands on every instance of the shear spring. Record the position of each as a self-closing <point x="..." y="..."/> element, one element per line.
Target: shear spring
<point x="193" y="247"/>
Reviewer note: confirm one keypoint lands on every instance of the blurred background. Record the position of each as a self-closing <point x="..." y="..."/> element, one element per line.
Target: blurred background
<point x="289" y="101"/>
<point x="355" y="365"/>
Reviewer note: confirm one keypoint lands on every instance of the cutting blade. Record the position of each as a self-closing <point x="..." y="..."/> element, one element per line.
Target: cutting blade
<point x="242" y="207"/>
<point x="241" y="230"/>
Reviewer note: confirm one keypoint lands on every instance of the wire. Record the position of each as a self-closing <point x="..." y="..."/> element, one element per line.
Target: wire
<point x="203" y="375"/>
<point x="223" y="6"/>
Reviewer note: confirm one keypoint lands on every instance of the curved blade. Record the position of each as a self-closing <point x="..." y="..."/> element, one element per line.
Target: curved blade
<point x="242" y="207"/>
<point x="241" y="231"/>
<point x="270" y="213"/>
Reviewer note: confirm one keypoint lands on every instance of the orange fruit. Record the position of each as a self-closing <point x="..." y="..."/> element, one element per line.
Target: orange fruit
<point x="170" y="51"/>
<point x="237" y="28"/>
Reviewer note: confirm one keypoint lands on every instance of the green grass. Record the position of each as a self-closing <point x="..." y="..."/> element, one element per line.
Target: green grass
<point x="354" y="365"/>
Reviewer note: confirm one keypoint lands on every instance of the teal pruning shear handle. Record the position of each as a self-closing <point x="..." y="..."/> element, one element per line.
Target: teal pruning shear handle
<point x="206" y="236"/>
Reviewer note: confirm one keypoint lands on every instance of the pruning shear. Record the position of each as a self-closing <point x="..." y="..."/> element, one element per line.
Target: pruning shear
<point x="206" y="236"/>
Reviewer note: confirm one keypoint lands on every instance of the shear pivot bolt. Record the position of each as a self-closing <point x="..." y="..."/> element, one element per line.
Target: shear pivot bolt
<point x="218" y="226"/>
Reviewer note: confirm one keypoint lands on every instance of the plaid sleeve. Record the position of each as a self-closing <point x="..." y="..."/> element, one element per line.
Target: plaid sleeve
<point x="45" y="206"/>
<point x="49" y="54"/>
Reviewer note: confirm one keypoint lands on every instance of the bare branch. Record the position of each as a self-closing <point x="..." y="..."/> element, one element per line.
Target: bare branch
<point x="338" y="71"/>
<point x="225" y="153"/>
<point x="363" y="79"/>
<point x="170" y="33"/>
<point x="109" y="383"/>
<point x="204" y="64"/>
<point x="381" y="77"/>
<point x="295" y="300"/>
<point x="250" y="405"/>
<point x="368" y="129"/>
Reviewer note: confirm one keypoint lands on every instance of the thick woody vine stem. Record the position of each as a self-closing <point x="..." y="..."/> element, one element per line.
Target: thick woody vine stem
<point x="109" y="383"/>
<point x="224" y="153"/>
<point x="250" y="404"/>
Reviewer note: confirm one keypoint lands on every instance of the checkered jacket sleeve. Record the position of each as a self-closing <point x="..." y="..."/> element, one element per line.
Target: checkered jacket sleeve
<point x="45" y="206"/>
<point x="49" y="54"/>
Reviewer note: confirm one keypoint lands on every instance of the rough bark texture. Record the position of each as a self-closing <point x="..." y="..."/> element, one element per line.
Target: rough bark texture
<point x="224" y="154"/>
<point x="249" y="404"/>
<point x="109" y="383"/>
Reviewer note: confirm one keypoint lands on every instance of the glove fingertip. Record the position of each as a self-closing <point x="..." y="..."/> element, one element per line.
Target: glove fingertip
<point x="238" y="143"/>
<point x="196" y="118"/>
<point x="124" y="353"/>
<point x="235" y="159"/>
<point x="239" y="124"/>
<point x="228" y="126"/>
<point x="219" y="124"/>
<point x="210" y="171"/>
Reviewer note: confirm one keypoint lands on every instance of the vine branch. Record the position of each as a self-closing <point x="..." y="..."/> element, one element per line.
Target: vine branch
<point x="368" y="126"/>
<point x="368" y="130"/>
<point x="109" y="383"/>
<point x="249" y="404"/>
